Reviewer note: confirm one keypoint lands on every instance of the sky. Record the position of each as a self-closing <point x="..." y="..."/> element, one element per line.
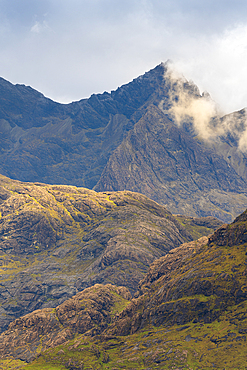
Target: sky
<point x="70" y="49"/>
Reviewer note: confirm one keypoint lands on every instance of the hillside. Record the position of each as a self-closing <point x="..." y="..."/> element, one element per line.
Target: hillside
<point x="189" y="312"/>
<point x="129" y="139"/>
<point x="57" y="240"/>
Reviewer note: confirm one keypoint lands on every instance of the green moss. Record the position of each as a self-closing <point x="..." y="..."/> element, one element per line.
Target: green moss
<point x="119" y="304"/>
<point x="11" y="364"/>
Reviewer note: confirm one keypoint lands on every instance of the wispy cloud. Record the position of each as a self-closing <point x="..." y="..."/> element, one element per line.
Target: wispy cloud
<point x="189" y="106"/>
<point x="39" y="27"/>
<point x="243" y="140"/>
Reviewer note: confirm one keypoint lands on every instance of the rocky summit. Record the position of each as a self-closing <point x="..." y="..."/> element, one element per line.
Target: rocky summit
<point x="141" y="137"/>
<point x="189" y="312"/>
<point x="57" y="240"/>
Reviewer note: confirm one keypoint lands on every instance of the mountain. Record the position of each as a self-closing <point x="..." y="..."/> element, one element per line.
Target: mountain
<point x="56" y="240"/>
<point x="66" y="143"/>
<point x="143" y="137"/>
<point x="163" y="161"/>
<point x="189" y="312"/>
<point x="108" y="277"/>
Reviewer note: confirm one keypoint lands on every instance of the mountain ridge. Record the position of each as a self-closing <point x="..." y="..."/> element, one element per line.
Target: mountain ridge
<point x="132" y="135"/>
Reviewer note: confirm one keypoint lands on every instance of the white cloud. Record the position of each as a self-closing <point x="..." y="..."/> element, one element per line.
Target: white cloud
<point x="39" y="27"/>
<point x="218" y="64"/>
<point x="243" y="141"/>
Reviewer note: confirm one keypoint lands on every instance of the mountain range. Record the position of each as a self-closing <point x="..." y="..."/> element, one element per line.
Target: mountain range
<point x="111" y="253"/>
<point x="130" y="139"/>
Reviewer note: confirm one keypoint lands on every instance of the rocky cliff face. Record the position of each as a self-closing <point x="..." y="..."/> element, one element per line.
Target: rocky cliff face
<point x="58" y="240"/>
<point x="126" y="140"/>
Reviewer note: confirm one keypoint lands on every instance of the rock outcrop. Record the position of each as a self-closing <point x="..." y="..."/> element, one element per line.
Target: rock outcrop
<point x="90" y="312"/>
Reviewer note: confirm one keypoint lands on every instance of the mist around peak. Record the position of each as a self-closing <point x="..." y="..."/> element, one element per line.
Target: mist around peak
<point x="190" y="107"/>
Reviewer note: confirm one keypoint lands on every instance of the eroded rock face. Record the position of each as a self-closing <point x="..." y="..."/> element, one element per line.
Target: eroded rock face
<point x="90" y="312"/>
<point x="146" y="306"/>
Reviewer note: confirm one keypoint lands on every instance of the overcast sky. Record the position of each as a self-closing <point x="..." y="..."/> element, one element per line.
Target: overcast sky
<point x="69" y="49"/>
